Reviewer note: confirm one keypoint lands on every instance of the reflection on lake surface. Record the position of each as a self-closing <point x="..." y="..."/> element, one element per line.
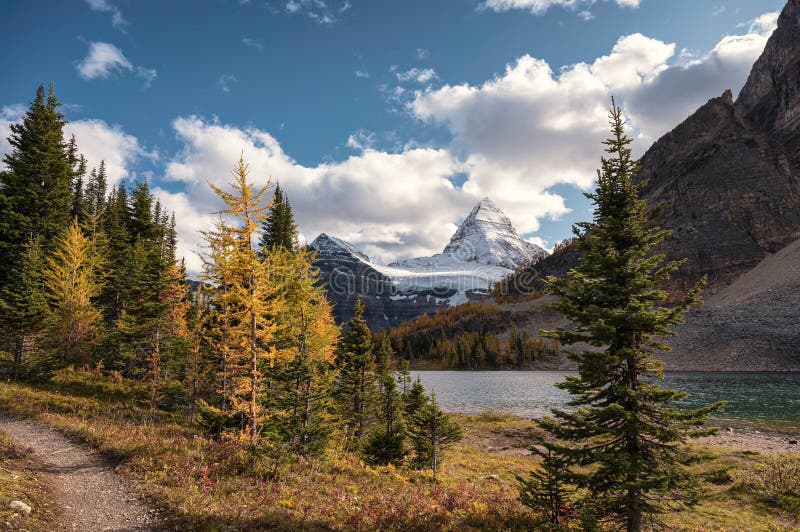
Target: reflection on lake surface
<point x="757" y="399"/>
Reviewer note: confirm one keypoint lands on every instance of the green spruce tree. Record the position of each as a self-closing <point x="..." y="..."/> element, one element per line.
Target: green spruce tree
<point x="115" y="220"/>
<point x="95" y="190"/>
<point x="24" y="307"/>
<point x="432" y="431"/>
<point x="544" y="491"/>
<point x="415" y="398"/>
<point x="624" y="443"/>
<point x="278" y="230"/>
<point x="404" y="379"/>
<point x="36" y="189"/>
<point x="356" y="385"/>
<point x="77" y="163"/>
<point x="302" y="415"/>
<point x="386" y="443"/>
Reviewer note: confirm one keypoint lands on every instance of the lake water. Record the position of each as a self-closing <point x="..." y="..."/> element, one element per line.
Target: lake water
<point x="767" y="400"/>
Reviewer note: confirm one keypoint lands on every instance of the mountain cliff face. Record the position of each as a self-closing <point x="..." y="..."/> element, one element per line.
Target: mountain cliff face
<point x="727" y="183"/>
<point x="484" y="249"/>
<point x="727" y="180"/>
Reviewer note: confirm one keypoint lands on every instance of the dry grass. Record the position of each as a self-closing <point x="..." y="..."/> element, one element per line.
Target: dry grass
<point x="214" y="483"/>
<point x="18" y="481"/>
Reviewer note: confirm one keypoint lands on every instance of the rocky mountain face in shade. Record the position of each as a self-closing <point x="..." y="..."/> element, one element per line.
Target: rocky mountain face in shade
<point x="726" y="182"/>
<point x="485" y="249"/>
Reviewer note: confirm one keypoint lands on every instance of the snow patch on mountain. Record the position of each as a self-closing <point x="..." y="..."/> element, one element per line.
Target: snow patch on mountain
<point x="484" y="250"/>
<point x="486" y="237"/>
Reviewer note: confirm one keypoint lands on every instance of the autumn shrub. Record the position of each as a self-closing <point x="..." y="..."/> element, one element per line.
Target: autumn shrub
<point x="772" y="480"/>
<point x="495" y="416"/>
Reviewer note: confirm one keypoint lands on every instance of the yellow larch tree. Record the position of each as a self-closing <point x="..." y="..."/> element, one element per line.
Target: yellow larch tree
<point x="70" y="278"/>
<point x="250" y="296"/>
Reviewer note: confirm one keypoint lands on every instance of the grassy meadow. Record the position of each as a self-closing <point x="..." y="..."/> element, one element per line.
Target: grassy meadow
<point x="216" y="484"/>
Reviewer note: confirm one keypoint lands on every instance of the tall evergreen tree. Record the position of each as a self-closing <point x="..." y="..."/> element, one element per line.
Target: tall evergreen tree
<point x="143" y="217"/>
<point x="302" y="417"/>
<point x="404" y="379"/>
<point x="624" y="445"/>
<point x="115" y="224"/>
<point x="77" y="163"/>
<point x="36" y="189"/>
<point x="197" y="322"/>
<point x="356" y="385"/>
<point x="278" y="228"/>
<point x="386" y="443"/>
<point x="151" y="331"/>
<point x="23" y="304"/>
<point x="96" y="190"/>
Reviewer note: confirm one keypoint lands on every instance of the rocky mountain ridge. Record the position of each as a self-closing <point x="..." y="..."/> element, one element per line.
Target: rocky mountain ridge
<point x="484" y="249"/>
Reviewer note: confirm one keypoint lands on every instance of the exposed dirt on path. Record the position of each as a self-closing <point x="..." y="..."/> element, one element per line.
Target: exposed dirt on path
<point x="92" y="495"/>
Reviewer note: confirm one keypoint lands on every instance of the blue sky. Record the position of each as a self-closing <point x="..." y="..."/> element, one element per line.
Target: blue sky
<point x="385" y="120"/>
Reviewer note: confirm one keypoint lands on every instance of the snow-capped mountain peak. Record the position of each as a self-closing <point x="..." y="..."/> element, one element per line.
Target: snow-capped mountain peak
<point x="485" y="249"/>
<point x="329" y="247"/>
<point x="488" y="237"/>
<point x="487" y="211"/>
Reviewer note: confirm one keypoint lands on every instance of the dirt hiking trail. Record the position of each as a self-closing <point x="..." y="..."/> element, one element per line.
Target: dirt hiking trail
<point x="91" y="494"/>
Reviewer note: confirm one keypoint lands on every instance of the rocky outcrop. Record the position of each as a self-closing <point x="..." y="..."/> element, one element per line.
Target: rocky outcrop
<point x="727" y="180"/>
<point x="719" y="184"/>
<point x="770" y="100"/>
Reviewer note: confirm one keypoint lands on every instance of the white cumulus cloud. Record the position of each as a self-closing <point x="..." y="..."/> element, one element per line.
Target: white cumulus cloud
<point x="532" y="127"/>
<point x="98" y="141"/>
<point x="385" y="203"/>
<point x="9" y="114"/>
<point x="104" y="59"/>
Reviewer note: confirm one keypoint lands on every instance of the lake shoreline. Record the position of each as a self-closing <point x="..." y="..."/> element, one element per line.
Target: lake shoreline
<point x="755" y="403"/>
<point x="506" y="434"/>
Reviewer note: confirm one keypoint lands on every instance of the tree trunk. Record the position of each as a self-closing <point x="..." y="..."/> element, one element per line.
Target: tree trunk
<point x="19" y="352"/>
<point x="253" y="374"/>
<point x="155" y="364"/>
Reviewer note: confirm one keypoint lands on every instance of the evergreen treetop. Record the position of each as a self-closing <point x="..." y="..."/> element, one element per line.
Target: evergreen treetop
<point x="356" y="386"/>
<point x="278" y="227"/>
<point x="36" y="189"/>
